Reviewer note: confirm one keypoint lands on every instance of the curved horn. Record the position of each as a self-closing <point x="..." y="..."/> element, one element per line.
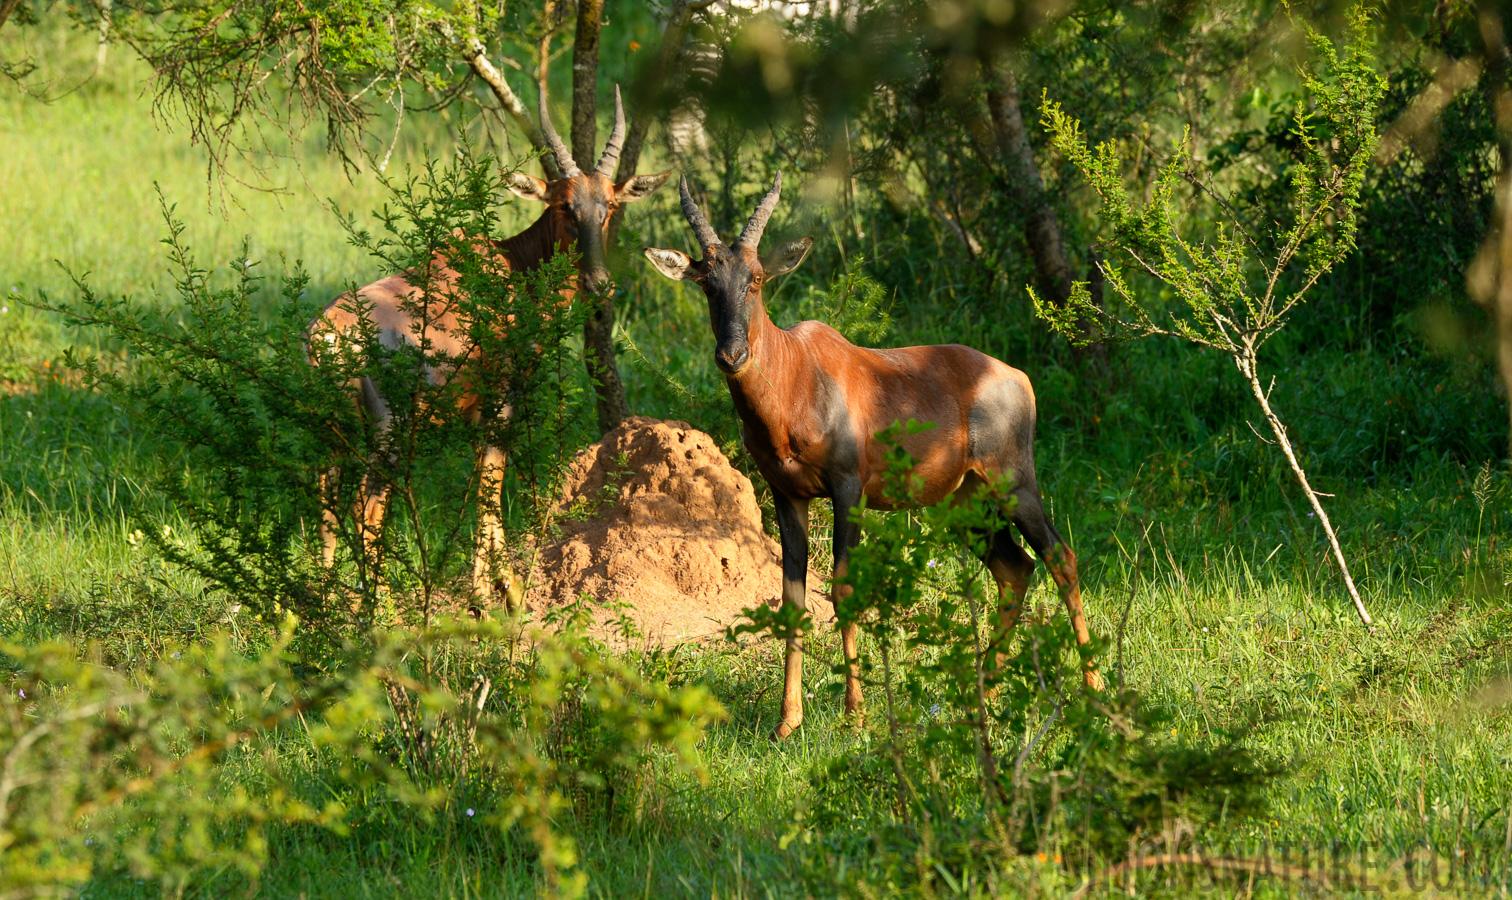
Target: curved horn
<point x="706" y="235"/>
<point x="751" y="235"/>
<point x="564" y="159"/>
<point x="616" y="142"/>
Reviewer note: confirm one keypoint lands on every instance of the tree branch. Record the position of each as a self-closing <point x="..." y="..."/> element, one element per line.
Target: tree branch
<point x="477" y="58"/>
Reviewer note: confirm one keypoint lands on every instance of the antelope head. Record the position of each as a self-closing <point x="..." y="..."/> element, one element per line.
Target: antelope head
<point x="580" y="205"/>
<point x="731" y="276"/>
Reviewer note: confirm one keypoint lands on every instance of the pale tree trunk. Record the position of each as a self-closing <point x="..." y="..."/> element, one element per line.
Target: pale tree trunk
<point x="1490" y="276"/>
<point x="1042" y="231"/>
<point x="1245" y="359"/>
<point x="102" y="49"/>
<point x="1503" y="311"/>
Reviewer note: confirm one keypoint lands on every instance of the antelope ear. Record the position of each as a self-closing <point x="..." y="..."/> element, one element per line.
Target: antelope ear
<point x="639" y="187"/>
<point x="786" y="258"/>
<point x="674" y="264"/>
<point x="527" y="186"/>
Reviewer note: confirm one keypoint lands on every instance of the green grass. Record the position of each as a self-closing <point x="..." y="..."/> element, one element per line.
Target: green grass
<point x="1188" y="530"/>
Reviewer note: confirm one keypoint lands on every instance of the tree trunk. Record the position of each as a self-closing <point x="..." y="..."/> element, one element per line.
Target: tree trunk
<point x="612" y="404"/>
<point x="598" y="342"/>
<point x="585" y="65"/>
<point x="1490" y="275"/>
<point x="103" y="47"/>
<point x="6" y="8"/>
<point x="1042" y="231"/>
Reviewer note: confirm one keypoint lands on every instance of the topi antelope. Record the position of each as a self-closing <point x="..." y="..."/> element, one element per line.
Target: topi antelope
<point x="811" y="404"/>
<point x="578" y="209"/>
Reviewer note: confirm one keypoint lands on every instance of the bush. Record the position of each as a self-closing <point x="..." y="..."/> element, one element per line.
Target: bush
<point x="176" y="769"/>
<point x="996" y="754"/>
<point x="260" y="428"/>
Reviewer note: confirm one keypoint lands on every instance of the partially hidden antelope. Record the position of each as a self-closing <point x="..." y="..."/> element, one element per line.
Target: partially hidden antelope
<point x="811" y="405"/>
<point x="579" y="206"/>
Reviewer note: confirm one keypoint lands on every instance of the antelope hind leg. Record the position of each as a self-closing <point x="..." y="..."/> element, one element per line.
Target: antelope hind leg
<point x="491" y="576"/>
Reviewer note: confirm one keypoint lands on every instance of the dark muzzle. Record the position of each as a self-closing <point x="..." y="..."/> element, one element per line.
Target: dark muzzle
<point x="731" y="357"/>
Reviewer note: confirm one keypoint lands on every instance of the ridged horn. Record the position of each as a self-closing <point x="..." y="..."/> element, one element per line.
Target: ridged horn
<point x="706" y="235"/>
<point x="751" y="235"/>
<point x="616" y="142"/>
<point x="564" y="159"/>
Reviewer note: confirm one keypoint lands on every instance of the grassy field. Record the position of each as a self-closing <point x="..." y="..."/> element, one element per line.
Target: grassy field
<point x="1392" y="745"/>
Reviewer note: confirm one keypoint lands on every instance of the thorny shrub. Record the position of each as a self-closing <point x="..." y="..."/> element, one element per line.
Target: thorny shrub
<point x="233" y="386"/>
<point x="148" y="770"/>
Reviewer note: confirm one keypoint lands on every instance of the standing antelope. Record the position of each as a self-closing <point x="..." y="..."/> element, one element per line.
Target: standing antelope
<point x="811" y="404"/>
<point x="578" y="209"/>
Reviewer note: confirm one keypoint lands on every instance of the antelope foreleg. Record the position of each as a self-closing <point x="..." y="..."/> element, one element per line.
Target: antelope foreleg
<point x="792" y="525"/>
<point x="329" y="521"/>
<point x="1062" y="564"/>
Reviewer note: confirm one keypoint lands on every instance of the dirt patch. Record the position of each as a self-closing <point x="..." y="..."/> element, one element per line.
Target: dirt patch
<point x="654" y="516"/>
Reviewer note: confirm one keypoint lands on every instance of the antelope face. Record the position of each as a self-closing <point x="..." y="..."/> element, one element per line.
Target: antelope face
<point x="582" y="204"/>
<point x="731" y="276"/>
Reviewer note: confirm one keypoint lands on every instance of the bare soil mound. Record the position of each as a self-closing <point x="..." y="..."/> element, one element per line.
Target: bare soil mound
<point x="654" y="516"/>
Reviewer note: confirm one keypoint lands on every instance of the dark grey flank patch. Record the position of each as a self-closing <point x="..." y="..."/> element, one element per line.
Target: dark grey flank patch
<point x="1001" y="426"/>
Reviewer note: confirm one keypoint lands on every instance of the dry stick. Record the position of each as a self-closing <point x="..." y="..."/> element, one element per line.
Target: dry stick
<point x="1246" y="363"/>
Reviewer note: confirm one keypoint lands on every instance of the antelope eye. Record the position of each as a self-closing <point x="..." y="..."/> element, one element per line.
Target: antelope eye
<point x="757" y="280"/>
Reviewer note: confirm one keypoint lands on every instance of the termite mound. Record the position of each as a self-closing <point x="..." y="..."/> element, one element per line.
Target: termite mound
<point x="654" y="520"/>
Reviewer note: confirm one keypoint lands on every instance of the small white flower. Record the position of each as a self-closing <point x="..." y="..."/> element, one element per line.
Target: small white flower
<point x="4" y="309"/>
<point x="932" y="563"/>
<point x="89" y="842"/>
<point x="469" y="812"/>
<point x="1311" y="515"/>
<point x="22" y="692"/>
<point x="1204" y="631"/>
<point x="177" y="654"/>
<point x="810" y="695"/>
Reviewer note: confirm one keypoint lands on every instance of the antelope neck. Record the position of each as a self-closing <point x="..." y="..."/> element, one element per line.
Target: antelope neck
<point x="533" y="246"/>
<point x="763" y="380"/>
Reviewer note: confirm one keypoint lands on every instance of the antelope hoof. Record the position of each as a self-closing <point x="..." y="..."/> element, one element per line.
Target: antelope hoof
<point x="785" y="729"/>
